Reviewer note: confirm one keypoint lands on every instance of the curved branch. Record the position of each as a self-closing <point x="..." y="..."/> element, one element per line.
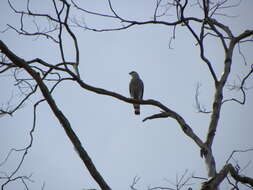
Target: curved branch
<point x="242" y="88"/>
<point x="71" y="34"/>
<point x="66" y="125"/>
<point x="114" y="12"/>
<point x="38" y="33"/>
<point x="167" y="112"/>
<point x="31" y="13"/>
<point x="215" y="182"/>
<point x="219" y="34"/>
<point x="24" y="150"/>
<point x="131" y="23"/>
<point x="59" y="115"/>
<point x="217" y="103"/>
<point x="200" y="42"/>
<point x="219" y="88"/>
<point x="245" y="34"/>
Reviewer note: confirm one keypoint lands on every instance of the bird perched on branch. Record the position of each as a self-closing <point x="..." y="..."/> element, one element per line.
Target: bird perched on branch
<point x="136" y="89"/>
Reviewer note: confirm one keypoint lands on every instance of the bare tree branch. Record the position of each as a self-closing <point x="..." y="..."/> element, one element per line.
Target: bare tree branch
<point x="200" y="108"/>
<point x="242" y="88"/>
<point x="135" y="181"/>
<point x="167" y="112"/>
<point x="237" y="151"/>
<point x="214" y="182"/>
<point x="11" y="178"/>
<point x="199" y="28"/>
<point x="60" y="116"/>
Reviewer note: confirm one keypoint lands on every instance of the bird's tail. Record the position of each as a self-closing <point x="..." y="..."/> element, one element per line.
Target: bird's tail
<point x="137" y="109"/>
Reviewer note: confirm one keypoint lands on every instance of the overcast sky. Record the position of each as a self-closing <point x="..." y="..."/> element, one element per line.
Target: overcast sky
<point x="119" y="143"/>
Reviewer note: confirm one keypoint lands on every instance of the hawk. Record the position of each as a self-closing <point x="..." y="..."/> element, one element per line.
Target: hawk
<point x="136" y="89"/>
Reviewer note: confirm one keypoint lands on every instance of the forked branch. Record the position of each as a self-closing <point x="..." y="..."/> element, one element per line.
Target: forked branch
<point x="227" y="169"/>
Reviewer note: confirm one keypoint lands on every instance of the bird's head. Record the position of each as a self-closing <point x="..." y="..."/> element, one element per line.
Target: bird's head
<point x="134" y="74"/>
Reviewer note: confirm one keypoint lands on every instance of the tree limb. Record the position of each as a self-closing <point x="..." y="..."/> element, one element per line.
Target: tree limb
<point x="215" y="181"/>
<point x="60" y="116"/>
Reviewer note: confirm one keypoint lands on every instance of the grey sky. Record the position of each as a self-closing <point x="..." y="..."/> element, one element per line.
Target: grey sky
<point x="119" y="143"/>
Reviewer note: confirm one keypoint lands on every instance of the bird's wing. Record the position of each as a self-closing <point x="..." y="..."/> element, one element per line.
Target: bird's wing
<point x="136" y="88"/>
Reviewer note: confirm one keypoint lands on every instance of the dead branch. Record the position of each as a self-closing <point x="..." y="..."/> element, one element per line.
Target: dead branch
<point x="218" y="30"/>
<point x="10" y="178"/>
<point x="228" y="168"/>
<point x="237" y="151"/>
<point x="135" y="181"/>
<point x="200" y="108"/>
<point x="66" y="125"/>
<point x="60" y="116"/>
<point x="242" y="88"/>
<point x="181" y="183"/>
<point x="131" y="23"/>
